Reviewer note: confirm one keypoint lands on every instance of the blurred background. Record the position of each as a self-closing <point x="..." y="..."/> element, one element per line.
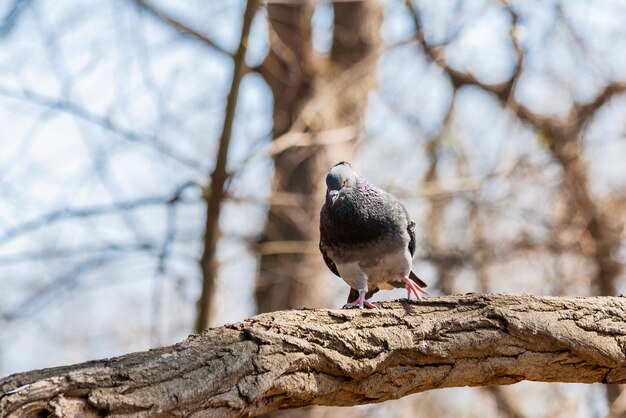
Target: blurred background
<point x="162" y="166"/>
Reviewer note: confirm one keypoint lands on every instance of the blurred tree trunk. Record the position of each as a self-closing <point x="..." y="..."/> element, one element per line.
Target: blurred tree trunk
<point x="317" y="96"/>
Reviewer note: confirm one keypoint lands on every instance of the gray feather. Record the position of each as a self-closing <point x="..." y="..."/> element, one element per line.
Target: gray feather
<point x="365" y="233"/>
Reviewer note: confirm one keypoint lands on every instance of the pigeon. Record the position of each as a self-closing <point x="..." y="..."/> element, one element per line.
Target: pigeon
<point x="366" y="237"/>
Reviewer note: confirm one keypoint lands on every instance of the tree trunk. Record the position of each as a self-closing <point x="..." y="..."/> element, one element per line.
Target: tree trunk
<point x="295" y="358"/>
<point x="312" y="95"/>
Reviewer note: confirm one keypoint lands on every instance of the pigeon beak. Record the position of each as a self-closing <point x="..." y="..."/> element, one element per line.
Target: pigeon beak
<point x="333" y="196"/>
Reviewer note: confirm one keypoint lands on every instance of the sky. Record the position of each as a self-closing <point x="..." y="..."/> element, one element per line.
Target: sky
<point x="101" y="103"/>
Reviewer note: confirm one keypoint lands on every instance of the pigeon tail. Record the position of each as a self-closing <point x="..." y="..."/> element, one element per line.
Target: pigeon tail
<point x="417" y="280"/>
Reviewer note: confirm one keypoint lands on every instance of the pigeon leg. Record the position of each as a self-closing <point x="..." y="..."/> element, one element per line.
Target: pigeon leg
<point x="411" y="286"/>
<point x="360" y="302"/>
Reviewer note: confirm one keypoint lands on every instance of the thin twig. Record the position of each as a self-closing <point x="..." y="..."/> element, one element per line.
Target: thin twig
<point x="219" y="176"/>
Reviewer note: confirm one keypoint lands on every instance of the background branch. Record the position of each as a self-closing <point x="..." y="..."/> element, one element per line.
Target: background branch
<point x="219" y="176"/>
<point x="180" y="26"/>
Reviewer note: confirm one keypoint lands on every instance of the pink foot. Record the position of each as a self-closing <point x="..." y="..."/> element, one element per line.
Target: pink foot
<point x="360" y="302"/>
<point x="411" y="286"/>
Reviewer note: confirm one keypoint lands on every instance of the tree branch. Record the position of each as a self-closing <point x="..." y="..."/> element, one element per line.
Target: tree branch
<point x="107" y="123"/>
<point x="295" y="358"/>
<point x="52" y="217"/>
<point x="181" y="27"/>
<point x="219" y="176"/>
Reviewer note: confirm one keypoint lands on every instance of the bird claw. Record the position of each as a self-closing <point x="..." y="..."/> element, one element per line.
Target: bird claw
<point x="360" y="302"/>
<point x="411" y="286"/>
<point x="361" y="305"/>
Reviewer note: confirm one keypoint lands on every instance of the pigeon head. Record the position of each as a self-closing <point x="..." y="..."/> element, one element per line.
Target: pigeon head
<point x="341" y="183"/>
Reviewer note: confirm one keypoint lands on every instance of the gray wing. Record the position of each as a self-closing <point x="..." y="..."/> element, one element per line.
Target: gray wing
<point x="412" y="244"/>
<point x="410" y="229"/>
<point x="329" y="262"/>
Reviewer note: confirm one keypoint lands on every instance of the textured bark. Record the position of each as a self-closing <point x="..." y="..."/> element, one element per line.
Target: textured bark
<point x="294" y="358"/>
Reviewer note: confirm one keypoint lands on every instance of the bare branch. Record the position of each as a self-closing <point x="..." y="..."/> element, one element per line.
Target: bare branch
<point x="310" y="139"/>
<point x="84" y="212"/>
<point x="104" y="122"/>
<point x="10" y="19"/>
<point x="178" y="25"/>
<point x="287" y="247"/>
<point x="219" y="176"/>
<point x="294" y="358"/>
<point x="49" y="293"/>
<point x="503" y="91"/>
<point x="76" y="251"/>
<point x="587" y="111"/>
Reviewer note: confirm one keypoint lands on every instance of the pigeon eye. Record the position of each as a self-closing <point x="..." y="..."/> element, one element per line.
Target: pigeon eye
<point x="344" y="182"/>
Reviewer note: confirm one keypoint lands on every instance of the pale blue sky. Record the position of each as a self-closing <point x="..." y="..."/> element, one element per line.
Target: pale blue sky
<point x="93" y="93"/>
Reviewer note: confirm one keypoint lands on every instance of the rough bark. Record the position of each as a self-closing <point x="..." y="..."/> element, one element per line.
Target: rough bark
<point x="294" y="358"/>
<point x="312" y="95"/>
